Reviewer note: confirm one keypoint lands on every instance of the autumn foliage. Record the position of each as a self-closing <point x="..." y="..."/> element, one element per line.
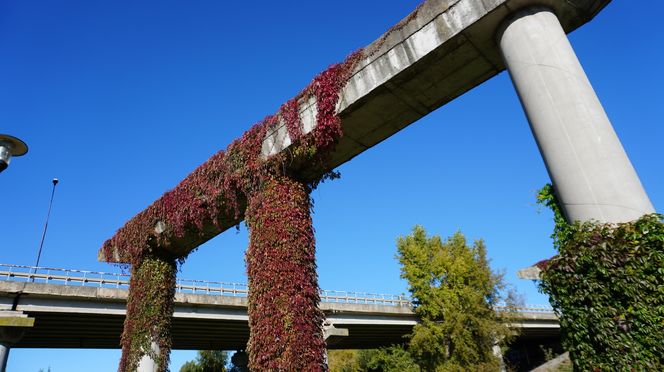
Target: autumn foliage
<point x="146" y="329"/>
<point x="283" y="300"/>
<point x="284" y="317"/>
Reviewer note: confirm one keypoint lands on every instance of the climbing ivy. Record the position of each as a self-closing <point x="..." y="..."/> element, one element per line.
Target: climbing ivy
<point x="285" y="328"/>
<point x="220" y="186"/>
<point x="607" y="286"/>
<point x="284" y="317"/>
<point x="149" y="312"/>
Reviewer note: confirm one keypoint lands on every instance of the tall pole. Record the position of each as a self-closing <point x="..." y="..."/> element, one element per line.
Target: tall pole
<point x="50" y="204"/>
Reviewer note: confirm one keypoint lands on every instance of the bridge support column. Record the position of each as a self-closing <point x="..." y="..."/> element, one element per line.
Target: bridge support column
<point x="4" y="355"/>
<point x="146" y="339"/>
<point x="284" y="318"/>
<point x="591" y="173"/>
<point x="13" y="325"/>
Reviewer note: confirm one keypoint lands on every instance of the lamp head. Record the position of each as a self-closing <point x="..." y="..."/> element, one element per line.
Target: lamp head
<point x="10" y="146"/>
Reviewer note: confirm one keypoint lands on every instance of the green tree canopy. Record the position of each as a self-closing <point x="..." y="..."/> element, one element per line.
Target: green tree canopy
<point x="207" y="361"/>
<point x="455" y="294"/>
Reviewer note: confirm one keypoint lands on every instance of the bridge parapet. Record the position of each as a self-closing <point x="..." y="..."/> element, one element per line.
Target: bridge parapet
<point x="188" y="289"/>
<point x="85" y="278"/>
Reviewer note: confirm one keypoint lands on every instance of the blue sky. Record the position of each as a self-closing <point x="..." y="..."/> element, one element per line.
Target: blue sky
<point x="120" y="100"/>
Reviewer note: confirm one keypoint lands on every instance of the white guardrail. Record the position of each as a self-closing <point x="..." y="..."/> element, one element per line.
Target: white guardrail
<point x="86" y="278"/>
<point x="48" y="275"/>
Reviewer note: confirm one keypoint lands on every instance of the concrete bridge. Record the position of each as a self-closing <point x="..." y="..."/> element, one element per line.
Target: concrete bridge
<point x="84" y="309"/>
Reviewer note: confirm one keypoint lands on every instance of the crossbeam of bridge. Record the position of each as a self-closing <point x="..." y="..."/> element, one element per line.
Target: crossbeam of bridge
<point x="87" y="310"/>
<point x="442" y="50"/>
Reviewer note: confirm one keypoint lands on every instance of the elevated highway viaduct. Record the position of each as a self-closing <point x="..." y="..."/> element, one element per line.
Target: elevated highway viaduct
<point x="88" y="312"/>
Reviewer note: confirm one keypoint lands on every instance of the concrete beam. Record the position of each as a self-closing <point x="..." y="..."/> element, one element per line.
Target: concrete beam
<point x="442" y="50"/>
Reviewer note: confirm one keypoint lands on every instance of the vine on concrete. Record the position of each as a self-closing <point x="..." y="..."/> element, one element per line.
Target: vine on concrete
<point x="149" y="313"/>
<point x="284" y="317"/>
<point x="221" y="186"/>
<point x="607" y="286"/>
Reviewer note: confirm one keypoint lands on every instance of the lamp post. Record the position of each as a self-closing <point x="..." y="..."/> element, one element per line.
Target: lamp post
<point x="10" y="146"/>
<point x="15" y="323"/>
<point x="50" y="204"/>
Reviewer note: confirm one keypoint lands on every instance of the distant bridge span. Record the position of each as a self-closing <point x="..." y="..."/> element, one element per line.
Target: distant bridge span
<point x="84" y="309"/>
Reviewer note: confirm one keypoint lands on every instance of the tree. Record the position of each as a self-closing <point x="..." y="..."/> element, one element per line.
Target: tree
<point x="207" y="361"/>
<point x="388" y="359"/>
<point x="455" y="294"/>
<point x="343" y="361"/>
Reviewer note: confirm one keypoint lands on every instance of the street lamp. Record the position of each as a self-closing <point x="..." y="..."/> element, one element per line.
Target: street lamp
<point x="50" y="204"/>
<point x="10" y="146"/>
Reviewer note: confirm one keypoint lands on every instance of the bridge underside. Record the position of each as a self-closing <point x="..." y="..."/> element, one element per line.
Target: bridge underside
<point x="94" y="331"/>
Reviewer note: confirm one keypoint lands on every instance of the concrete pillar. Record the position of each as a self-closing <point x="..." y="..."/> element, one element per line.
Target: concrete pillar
<point x="4" y="355"/>
<point x="149" y="313"/>
<point x="284" y="317"/>
<point x="591" y="173"/>
<point x="147" y="364"/>
<point x="13" y="325"/>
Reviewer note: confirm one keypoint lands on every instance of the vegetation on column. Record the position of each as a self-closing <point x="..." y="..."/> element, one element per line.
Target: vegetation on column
<point x="149" y="312"/>
<point x="607" y="286"/>
<point x="460" y="302"/>
<point x="218" y="191"/>
<point x="221" y="186"/>
<point x="284" y="318"/>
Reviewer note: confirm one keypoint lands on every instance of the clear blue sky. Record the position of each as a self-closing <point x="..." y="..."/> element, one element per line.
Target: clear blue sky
<point x="121" y="99"/>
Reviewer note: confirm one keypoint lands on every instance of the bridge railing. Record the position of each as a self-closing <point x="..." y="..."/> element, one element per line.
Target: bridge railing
<point x="364" y="298"/>
<point x="50" y="275"/>
<point x="86" y="278"/>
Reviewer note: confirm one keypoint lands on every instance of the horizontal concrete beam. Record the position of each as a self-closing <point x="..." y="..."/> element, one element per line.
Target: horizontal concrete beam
<point x="442" y="50"/>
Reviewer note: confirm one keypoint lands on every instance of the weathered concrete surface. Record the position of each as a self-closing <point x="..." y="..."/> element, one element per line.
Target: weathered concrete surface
<point x="531" y="273"/>
<point x="555" y="364"/>
<point x="592" y="175"/>
<point x="86" y="317"/>
<point x="435" y="55"/>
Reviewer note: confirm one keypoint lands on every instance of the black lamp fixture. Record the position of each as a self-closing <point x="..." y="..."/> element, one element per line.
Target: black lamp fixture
<point x="10" y="146"/>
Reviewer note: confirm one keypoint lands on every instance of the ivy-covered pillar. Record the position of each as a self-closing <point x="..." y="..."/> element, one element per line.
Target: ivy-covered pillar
<point x="146" y="339"/>
<point x="284" y="319"/>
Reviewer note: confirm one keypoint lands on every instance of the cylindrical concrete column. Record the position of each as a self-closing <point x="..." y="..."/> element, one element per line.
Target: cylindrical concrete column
<point x="591" y="173"/>
<point x="147" y="364"/>
<point x="4" y="355"/>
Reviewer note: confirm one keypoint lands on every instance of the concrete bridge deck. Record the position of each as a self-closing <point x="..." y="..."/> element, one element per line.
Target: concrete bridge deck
<point x="87" y="310"/>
